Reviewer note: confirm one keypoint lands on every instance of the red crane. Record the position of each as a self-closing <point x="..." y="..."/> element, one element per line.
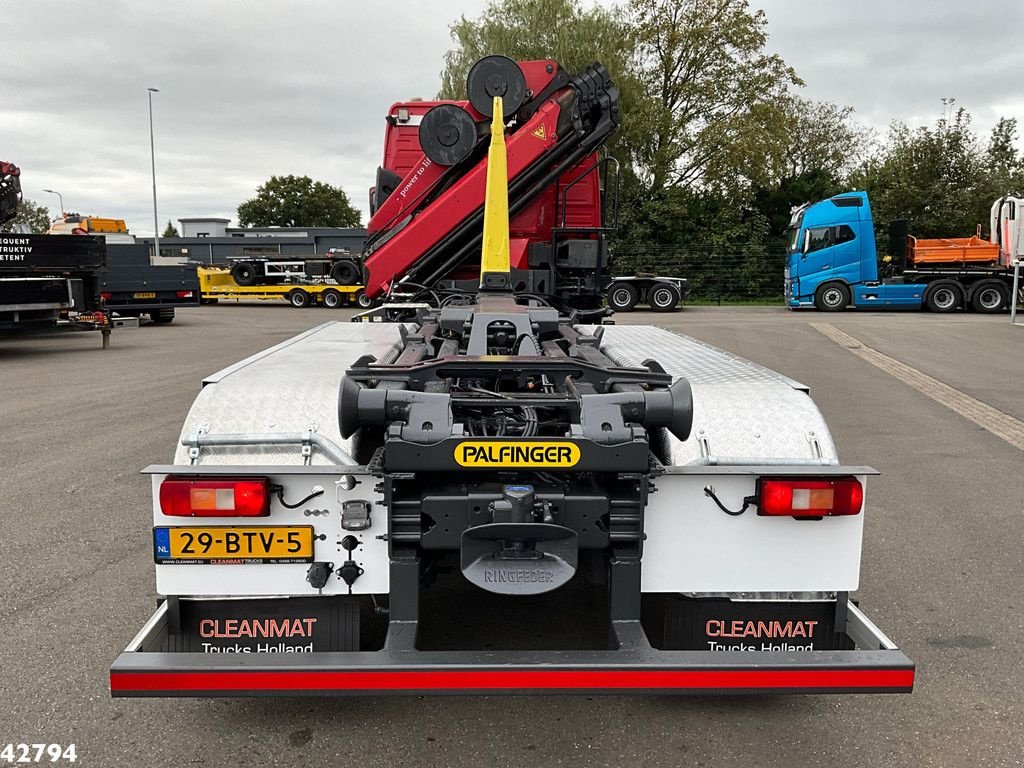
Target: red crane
<point x="10" y="191"/>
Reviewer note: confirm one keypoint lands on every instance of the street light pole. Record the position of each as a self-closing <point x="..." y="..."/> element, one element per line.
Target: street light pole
<point x="61" y="199"/>
<point x="152" y="161"/>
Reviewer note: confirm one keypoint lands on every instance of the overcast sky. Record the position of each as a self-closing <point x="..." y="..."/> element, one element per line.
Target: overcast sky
<point x="251" y="89"/>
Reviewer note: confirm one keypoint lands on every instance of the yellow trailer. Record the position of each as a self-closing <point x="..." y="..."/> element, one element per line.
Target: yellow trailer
<point x="217" y="285"/>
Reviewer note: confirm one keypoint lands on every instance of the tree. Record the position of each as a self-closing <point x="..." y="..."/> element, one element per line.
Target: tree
<point x="714" y="145"/>
<point x="298" y="201"/>
<point x="537" y="29"/>
<point x="170" y="230"/>
<point x="810" y="157"/>
<point x="938" y="177"/>
<point x="30" y="219"/>
<point x="1003" y="162"/>
<point x="709" y="89"/>
<point x="821" y="137"/>
<point x="698" y="95"/>
<point x="692" y="75"/>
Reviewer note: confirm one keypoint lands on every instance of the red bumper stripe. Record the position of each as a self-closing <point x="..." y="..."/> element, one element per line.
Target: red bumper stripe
<point x="513" y="680"/>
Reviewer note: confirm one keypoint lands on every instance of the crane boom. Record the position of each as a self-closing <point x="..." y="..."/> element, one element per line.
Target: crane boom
<point x="10" y="191"/>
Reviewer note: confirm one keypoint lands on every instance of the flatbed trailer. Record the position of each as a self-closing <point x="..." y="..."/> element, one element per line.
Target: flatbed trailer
<point x="219" y="285"/>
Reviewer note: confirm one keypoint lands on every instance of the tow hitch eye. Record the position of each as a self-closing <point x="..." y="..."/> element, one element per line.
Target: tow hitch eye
<point x="515" y="554"/>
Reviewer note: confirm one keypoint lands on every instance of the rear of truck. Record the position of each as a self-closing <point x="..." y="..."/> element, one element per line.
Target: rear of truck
<point x="133" y="286"/>
<point x="497" y="466"/>
<point x="686" y="501"/>
<point x="50" y="284"/>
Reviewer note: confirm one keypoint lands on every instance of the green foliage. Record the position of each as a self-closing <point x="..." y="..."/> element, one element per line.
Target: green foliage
<point x="298" y="201"/>
<point x="170" y="230"/>
<point x="774" y="202"/>
<point x="563" y="30"/>
<point x="708" y="123"/>
<point x="819" y="138"/>
<point x="708" y="89"/>
<point x="30" y="219"/>
<point x="716" y="144"/>
<point x="941" y="178"/>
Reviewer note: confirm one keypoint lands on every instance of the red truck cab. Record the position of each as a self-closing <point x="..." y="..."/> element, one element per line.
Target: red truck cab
<point x="559" y="197"/>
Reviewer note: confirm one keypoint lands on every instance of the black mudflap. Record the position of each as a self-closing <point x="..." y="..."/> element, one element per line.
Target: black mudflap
<point x="281" y="625"/>
<point x="702" y="624"/>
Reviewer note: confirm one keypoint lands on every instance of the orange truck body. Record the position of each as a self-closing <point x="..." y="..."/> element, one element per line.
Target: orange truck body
<point x="952" y="250"/>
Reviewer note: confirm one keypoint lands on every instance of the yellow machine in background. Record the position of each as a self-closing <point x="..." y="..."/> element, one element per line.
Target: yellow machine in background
<point x="216" y="284"/>
<point x="87" y="225"/>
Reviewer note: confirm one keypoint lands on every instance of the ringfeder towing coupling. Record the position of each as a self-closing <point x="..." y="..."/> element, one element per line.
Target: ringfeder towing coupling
<point x="832" y="264"/>
<point x="333" y="479"/>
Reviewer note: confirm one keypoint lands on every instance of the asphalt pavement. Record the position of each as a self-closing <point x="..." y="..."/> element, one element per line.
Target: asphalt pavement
<point x="943" y="569"/>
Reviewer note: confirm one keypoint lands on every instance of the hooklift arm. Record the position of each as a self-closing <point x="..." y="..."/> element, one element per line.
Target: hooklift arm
<point x="495" y="266"/>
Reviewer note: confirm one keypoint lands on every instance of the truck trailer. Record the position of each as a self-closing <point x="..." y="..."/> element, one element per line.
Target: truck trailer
<point x="337" y="264"/>
<point x="832" y="265"/>
<point x="217" y="284"/>
<point x="48" y="284"/>
<point x="689" y="503"/>
<point x="51" y="284"/>
<point x="133" y="286"/>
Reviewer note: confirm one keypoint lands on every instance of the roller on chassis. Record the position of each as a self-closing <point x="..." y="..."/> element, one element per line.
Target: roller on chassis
<point x="335" y="495"/>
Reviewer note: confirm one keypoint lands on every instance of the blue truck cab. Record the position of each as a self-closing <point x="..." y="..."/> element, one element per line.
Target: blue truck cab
<point x="831" y="261"/>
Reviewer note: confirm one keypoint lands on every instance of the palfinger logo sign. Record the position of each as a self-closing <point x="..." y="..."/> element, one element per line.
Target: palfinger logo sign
<point x="517" y="454"/>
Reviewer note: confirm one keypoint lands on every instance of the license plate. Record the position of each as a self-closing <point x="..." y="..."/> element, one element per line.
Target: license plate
<point x="144" y="295"/>
<point x="233" y="544"/>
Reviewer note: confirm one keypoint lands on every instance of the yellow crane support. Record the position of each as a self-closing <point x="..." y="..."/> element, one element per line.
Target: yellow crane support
<point x="495" y="264"/>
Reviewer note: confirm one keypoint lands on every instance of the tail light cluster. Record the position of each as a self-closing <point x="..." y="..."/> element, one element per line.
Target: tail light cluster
<point x="184" y="294"/>
<point x="215" y="497"/>
<point x="809" y="497"/>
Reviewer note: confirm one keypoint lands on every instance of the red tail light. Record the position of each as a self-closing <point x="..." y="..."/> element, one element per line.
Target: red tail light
<point x="220" y="497"/>
<point x="184" y="294"/>
<point x="809" y="497"/>
<point x="106" y="296"/>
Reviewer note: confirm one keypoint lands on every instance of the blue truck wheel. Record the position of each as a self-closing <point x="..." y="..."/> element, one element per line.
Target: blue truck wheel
<point x="832" y="297"/>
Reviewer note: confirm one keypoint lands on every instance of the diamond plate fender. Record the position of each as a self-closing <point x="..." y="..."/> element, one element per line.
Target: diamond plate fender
<point x="291" y="387"/>
<point x="743" y="412"/>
